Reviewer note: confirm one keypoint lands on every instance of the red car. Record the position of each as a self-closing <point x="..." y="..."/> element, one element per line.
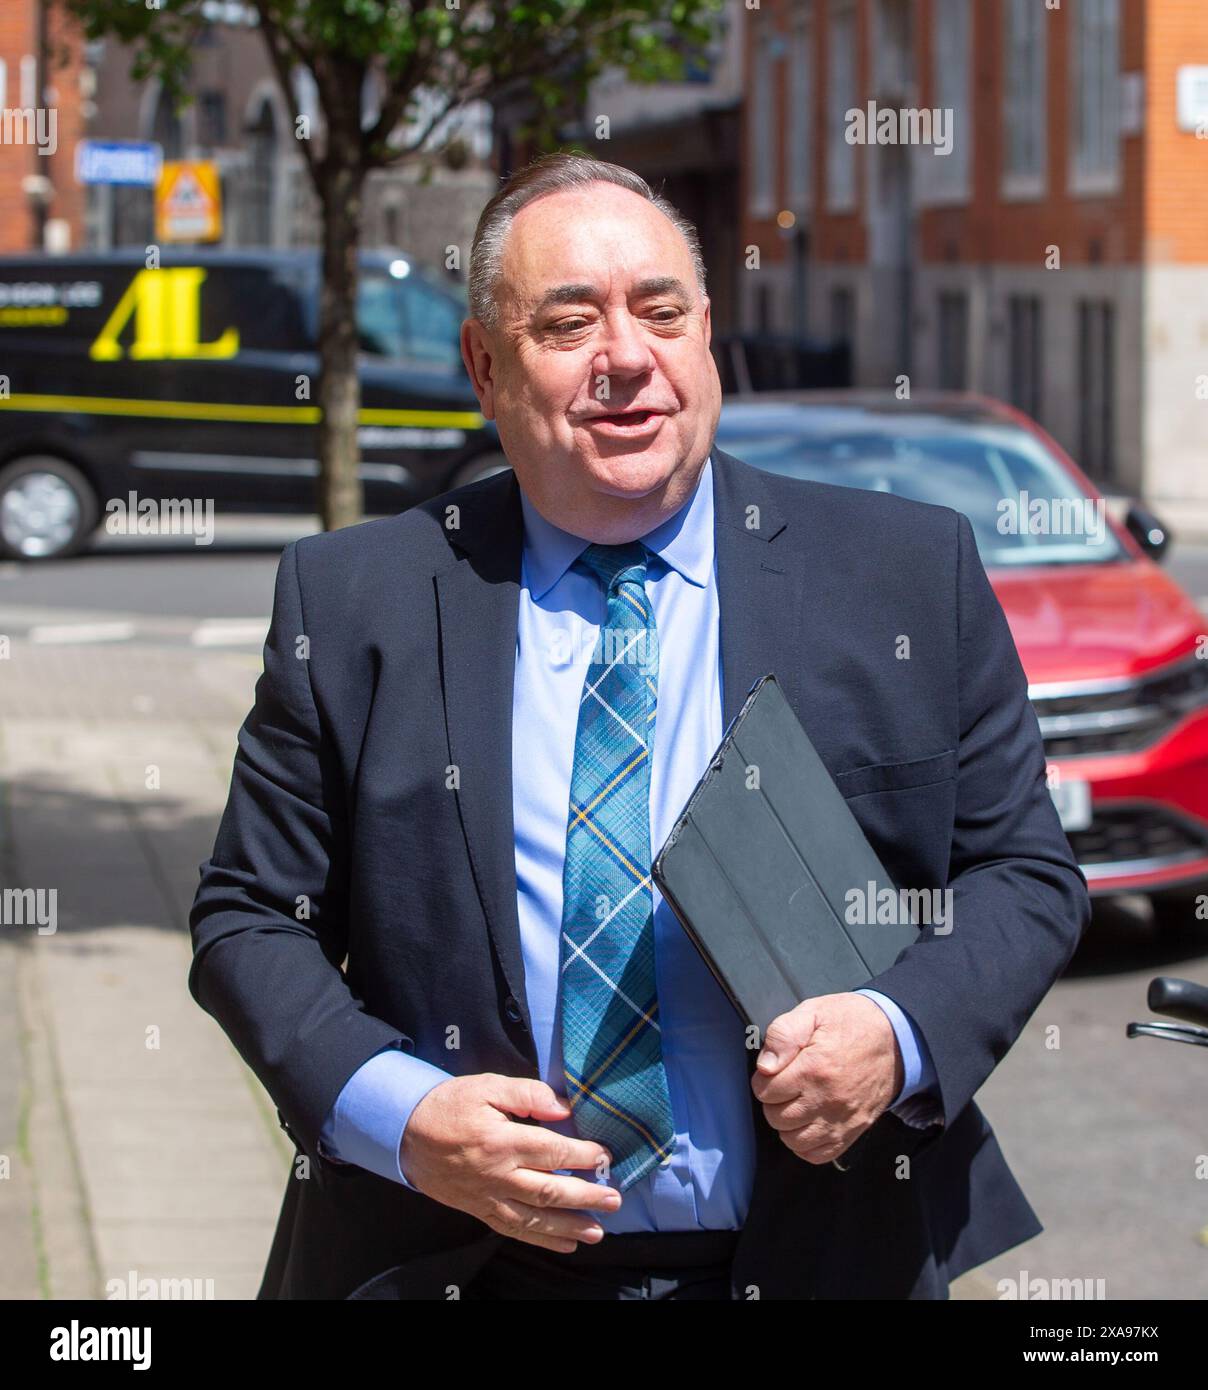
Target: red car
<point x="1115" y="652"/>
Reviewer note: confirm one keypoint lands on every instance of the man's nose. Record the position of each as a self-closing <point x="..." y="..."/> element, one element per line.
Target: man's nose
<point x="624" y="351"/>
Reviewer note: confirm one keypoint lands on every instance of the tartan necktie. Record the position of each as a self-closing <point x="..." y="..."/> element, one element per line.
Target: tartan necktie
<point x="611" y="1050"/>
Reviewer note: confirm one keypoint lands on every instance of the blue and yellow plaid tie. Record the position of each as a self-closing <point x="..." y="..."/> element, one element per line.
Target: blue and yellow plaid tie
<point x="611" y="1050"/>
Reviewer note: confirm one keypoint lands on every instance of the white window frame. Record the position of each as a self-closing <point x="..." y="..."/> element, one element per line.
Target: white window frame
<point x="842" y="193"/>
<point x="947" y="179"/>
<point x="801" y="109"/>
<point x="762" y="126"/>
<point x="1025" y="95"/>
<point x="899" y="75"/>
<point x="1095" y="59"/>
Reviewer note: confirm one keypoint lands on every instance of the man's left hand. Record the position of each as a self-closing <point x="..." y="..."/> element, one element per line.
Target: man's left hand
<point x="827" y="1070"/>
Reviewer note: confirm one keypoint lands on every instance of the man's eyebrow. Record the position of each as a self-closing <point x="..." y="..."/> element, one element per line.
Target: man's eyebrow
<point x="576" y="294"/>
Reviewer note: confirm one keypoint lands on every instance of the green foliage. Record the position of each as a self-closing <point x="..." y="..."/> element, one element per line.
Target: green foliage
<point x="479" y="50"/>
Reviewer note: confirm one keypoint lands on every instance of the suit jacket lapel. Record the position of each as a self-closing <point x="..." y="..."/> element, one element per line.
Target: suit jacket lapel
<point x="758" y="590"/>
<point x="478" y="597"/>
<point x="760" y="585"/>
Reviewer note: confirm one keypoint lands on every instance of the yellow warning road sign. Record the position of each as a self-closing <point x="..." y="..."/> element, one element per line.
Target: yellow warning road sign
<point x="188" y="201"/>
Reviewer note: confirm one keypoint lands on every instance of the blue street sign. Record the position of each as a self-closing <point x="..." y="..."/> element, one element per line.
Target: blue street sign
<point x="136" y="162"/>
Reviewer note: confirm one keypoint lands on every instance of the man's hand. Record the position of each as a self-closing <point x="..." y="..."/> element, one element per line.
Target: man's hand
<point x="460" y="1148"/>
<point x="827" y="1071"/>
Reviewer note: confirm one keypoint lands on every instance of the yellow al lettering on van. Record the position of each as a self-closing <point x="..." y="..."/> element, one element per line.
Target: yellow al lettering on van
<point x="165" y="305"/>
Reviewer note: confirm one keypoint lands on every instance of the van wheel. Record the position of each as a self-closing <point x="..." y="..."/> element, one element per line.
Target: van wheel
<point x="48" y="509"/>
<point x="481" y="467"/>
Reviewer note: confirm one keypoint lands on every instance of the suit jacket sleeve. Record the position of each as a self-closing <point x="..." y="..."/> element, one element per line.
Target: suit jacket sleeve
<point x="269" y="921"/>
<point x="1019" y="900"/>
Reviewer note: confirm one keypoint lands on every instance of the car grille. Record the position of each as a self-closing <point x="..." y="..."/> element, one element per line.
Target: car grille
<point x="1133" y="835"/>
<point x="1118" y="716"/>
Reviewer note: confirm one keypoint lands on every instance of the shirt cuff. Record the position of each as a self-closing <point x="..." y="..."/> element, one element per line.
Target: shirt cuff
<point x="916" y="1103"/>
<point x="366" y="1123"/>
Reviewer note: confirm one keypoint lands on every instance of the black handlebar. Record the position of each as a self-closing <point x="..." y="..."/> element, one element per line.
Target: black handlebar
<point x="1179" y="999"/>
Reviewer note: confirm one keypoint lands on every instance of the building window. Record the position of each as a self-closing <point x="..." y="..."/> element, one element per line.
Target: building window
<point x="762" y="130"/>
<point x="1025" y="109"/>
<point x="953" y="340"/>
<point x="951" y="43"/>
<point x="211" y="119"/>
<point x="260" y="138"/>
<point x="1024" y="341"/>
<point x="801" y="115"/>
<point x="1096" y="95"/>
<point x="1096" y="388"/>
<point x="840" y="99"/>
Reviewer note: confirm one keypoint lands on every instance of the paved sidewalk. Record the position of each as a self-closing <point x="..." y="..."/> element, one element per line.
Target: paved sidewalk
<point x="138" y="1139"/>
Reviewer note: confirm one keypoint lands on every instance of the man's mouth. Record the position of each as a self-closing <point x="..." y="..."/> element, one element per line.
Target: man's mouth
<point x="627" y="419"/>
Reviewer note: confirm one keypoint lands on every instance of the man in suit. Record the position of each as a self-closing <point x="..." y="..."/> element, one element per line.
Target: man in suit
<point x="428" y="922"/>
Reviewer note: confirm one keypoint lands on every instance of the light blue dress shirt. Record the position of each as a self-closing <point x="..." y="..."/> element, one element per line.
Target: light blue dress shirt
<point x="707" y="1182"/>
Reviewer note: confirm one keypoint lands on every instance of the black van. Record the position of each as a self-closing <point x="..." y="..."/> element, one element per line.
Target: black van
<point x="197" y="379"/>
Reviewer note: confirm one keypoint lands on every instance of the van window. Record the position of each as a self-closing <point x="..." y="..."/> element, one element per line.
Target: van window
<point x="263" y="302"/>
<point x="409" y="319"/>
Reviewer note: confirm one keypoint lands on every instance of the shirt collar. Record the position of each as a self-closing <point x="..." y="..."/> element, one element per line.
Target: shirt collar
<point x="684" y="542"/>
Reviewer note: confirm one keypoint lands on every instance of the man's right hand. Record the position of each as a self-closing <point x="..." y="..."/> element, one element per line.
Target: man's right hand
<point x="461" y="1148"/>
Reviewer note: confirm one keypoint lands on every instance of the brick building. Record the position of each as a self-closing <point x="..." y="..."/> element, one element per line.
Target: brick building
<point x="43" y="102"/>
<point x="1056" y="255"/>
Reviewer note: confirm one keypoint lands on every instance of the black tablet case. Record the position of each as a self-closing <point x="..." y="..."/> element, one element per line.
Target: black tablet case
<point x="759" y="865"/>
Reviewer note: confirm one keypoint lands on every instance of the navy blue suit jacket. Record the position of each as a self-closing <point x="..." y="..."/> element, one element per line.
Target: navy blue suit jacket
<point x="390" y="660"/>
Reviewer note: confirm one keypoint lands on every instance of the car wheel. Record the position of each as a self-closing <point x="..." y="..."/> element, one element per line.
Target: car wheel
<point x="484" y="466"/>
<point x="48" y="509"/>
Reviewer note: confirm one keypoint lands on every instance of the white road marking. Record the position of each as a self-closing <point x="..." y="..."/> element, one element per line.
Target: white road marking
<point x="64" y="633"/>
<point x="229" y="632"/>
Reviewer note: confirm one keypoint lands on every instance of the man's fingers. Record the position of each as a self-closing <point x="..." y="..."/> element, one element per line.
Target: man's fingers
<point x="815" y="1147"/>
<point x="793" y="1115"/>
<point x="546" y="1149"/>
<point x="796" y="1079"/>
<point x="528" y="1098"/>
<point x="554" y="1228"/>
<point x="552" y="1190"/>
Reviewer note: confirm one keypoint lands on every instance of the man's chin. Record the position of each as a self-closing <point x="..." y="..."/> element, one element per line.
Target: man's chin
<point x="632" y="475"/>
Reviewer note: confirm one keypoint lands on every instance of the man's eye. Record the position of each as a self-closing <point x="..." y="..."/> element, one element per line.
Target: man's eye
<point x="667" y="315"/>
<point x="568" y="325"/>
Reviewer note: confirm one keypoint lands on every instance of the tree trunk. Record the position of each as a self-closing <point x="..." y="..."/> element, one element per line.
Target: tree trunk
<point x="342" y="181"/>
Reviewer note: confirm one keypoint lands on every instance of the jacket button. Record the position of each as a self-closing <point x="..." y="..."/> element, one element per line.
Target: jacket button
<point x="512" y="1009"/>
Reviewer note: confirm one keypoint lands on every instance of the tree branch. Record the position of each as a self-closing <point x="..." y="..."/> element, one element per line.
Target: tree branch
<point x="277" y="44"/>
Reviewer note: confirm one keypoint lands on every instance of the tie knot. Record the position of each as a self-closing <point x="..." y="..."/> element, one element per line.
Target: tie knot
<point x="616" y="564"/>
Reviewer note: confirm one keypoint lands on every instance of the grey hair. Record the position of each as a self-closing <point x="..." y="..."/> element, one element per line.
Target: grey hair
<point x="553" y="173"/>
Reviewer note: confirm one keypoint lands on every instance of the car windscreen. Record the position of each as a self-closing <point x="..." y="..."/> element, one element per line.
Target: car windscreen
<point x="1024" y="507"/>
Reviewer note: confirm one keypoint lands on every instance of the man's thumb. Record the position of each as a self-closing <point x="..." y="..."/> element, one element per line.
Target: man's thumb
<point x="786" y="1036"/>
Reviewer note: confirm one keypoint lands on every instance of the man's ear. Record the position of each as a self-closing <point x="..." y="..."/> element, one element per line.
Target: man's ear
<point x="478" y="357"/>
<point x="708" y="320"/>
